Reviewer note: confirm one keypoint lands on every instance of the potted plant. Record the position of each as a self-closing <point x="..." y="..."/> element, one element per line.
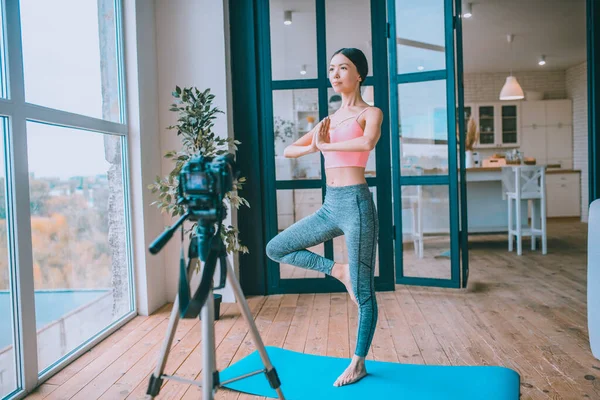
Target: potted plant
<point x="194" y="127"/>
<point x="283" y="130"/>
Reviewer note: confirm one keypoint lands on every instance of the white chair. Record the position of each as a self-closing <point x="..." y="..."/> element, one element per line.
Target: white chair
<point x="525" y="182"/>
<point x="412" y="198"/>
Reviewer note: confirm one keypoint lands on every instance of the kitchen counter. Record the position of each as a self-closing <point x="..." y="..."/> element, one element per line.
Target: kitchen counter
<point x="548" y="170"/>
<point x="479" y="174"/>
<point x="487" y="209"/>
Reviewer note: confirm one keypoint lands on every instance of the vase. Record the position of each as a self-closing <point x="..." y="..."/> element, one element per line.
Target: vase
<point x="469" y="161"/>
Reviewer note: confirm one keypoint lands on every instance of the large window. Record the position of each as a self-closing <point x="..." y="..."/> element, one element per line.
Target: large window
<point x="80" y="267"/>
<point x="65" y="259"/>
<point x="69" y="49"/>
<point x="8" y="332"/>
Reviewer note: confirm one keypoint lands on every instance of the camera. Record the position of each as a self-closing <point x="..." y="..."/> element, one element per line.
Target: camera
<point x="203" y="183"/>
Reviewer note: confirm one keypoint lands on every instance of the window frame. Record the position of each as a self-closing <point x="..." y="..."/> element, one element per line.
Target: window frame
<point x="17" y="112"/>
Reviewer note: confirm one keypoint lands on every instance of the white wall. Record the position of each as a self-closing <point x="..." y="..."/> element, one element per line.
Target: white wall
<point x="192" y="50"/>
<point x="577" y="91"/>
<point x="144" y="150"/>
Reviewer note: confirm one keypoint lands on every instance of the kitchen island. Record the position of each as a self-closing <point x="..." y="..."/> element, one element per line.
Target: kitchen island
<point x="487" y="208"/>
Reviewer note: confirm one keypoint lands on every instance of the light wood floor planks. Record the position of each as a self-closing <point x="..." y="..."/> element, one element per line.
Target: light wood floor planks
<point x="527" y="313"/>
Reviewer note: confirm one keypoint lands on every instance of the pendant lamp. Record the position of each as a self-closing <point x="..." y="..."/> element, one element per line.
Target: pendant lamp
<point x="511" y="89"/>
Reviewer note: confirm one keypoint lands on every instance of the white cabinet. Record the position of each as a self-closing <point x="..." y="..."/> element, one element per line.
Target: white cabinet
<point x="498" y="123"/>
<point x="285" y="198"/>
<point x="547" y="131"/>
<point x="563" y="195"/>
<point x="533" y="142"/>
<point x="295" y="204"/>
<point x="510" y="125"/>
<point x="302" y="122"/>
<point x="559" y="112"/>
<point x="533" y="113"/>
<point x="559" y="146"/>
<point x="306" y="202"/>
<point x="285" y="209"/>
<point x="547" y="135"/>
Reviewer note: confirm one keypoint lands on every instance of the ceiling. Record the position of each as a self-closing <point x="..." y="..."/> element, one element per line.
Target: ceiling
<point x="555" y="28"/>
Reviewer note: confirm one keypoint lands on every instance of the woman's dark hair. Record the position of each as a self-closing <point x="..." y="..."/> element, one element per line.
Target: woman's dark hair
<point x="358" y="59"/>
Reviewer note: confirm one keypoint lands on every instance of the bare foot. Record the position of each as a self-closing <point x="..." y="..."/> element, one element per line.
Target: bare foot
<point x="355" y="372"/>
<point x="342" y="273"/>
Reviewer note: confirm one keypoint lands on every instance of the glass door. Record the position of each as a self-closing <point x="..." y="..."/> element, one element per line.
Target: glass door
<point x="297" y="39"/>
<point x="425" y="102"/>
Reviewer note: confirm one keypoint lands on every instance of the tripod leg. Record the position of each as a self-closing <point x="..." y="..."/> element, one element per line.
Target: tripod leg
<point x="156" y="378"/>
<point x="207" y="315"/>
<point x="245" y="309"/>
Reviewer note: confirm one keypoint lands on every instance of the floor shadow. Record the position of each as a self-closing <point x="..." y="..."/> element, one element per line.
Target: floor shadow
<point x="485" y="287"/>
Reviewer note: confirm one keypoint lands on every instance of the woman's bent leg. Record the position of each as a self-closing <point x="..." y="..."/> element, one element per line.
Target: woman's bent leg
<point x="290" y="246"/>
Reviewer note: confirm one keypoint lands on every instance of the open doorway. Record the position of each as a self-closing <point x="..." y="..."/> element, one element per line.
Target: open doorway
<point x="542" y="45"/>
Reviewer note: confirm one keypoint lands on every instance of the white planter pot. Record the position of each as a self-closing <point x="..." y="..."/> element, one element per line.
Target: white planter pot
<point x="469" y="161"/>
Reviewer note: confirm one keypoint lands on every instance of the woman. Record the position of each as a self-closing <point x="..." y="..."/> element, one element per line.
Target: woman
<point x="345" y="140"/>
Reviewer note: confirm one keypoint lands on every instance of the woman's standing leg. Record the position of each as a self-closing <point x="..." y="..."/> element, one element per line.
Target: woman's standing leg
<point x="361" y="241"/>
<point x="290" y="246"/>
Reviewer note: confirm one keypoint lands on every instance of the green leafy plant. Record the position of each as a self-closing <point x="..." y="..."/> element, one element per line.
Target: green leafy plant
<point x="194" y="127"/>
<point x="283" y="128"/>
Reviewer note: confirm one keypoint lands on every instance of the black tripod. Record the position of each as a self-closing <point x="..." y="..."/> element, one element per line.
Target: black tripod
<point x="203" y="303"/>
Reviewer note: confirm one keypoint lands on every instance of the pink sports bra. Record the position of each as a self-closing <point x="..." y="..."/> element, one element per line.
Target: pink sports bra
<point x="341" y="134"/>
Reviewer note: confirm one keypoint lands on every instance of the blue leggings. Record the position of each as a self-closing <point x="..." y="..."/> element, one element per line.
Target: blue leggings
<point x="349" y="211"/>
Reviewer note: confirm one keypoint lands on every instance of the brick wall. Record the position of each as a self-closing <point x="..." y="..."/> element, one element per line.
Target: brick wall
<point x="487" y="86"/>
<point x="576" y="84"/>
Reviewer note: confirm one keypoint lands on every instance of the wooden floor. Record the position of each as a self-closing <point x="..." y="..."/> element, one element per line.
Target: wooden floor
<point x="527" y="313"/>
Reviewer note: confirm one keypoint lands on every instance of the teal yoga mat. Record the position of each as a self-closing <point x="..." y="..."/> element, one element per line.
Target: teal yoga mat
<point x="311" y="377"/>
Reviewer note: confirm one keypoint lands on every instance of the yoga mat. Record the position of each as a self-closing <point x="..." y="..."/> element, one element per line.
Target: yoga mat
<point x="307" y="376"/>
<point x="444" y="254"/>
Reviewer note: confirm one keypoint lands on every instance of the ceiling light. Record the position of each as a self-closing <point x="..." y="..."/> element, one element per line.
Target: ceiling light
<point x="420" y="68"/>
<point x="287" y="17"/>
<point x="303" y="70"/>
<point x="542" y="60"/>
<point x="511" y="89"/>
<point x="468" y="13"/>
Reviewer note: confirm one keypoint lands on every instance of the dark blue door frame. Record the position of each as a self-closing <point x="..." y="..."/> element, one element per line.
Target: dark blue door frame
<point x="251" y="124"/>
<point x="456" y="167"/>
<point x="464" y="223"/>
<point x="272" y="282"/>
